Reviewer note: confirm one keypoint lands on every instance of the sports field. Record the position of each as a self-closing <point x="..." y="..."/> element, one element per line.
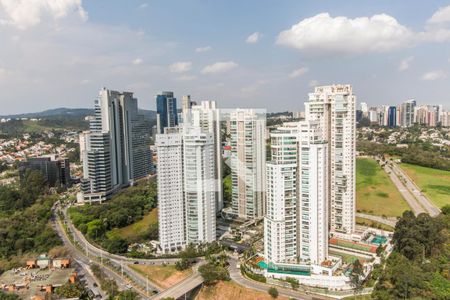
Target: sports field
<point x="434" y="183"/>
<point x="375" y="192"/>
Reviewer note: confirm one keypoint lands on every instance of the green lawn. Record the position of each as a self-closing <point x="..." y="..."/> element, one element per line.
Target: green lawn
<point x="375" y="192"/>
<point x="434" y="183"/>
<point x="347" y="258"/>
<point x="373" y="224"/>
<point x="132" y="231"/>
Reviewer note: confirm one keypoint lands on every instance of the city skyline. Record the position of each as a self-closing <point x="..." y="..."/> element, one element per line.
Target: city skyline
<point x="246" y="57"/>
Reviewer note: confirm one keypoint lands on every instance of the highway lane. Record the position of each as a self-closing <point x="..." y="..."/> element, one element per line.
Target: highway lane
<point x="429" y="206"/>
<point x="410" y="199"/>
<point x="122" y="282"/>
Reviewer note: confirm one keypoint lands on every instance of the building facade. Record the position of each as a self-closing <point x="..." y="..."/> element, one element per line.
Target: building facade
<point x="116" y="148"/>
<point x="56" y="172"/>
<point x="166" y="111"/>
<point x="248" y="157"/>
<point x="187" y="187"/>
<point x="313" y="194"/>
<point x="206" y="116"/>
<point x="407" y="113"/>
<point x="334" y="108"/>
<point x="171" y="207"/>
<point x="199" y="186"/>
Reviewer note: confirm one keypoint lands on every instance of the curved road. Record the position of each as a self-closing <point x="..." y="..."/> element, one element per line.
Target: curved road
<point x="85" y="260"/>
<point x="236" y="276"/>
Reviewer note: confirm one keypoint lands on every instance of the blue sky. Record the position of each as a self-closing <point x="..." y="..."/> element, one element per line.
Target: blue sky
<point x="264" y="54"/>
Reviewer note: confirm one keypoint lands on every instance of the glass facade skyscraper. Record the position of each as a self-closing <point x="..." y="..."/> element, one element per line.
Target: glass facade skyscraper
<point x="166" y="111"/>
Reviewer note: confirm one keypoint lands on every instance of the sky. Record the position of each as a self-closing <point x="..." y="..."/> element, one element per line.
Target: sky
<point x="255" y="53"/>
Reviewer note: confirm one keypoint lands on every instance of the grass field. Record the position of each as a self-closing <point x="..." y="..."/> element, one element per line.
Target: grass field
<point x="231" y="290"/>
<point x="374" y="224"/>
<point x="375" y="192"/>
<point x="162" y="276"/>
<point x="347" y="258"/>
<point x="131" y="231"/>
<point x="435" y="184"/>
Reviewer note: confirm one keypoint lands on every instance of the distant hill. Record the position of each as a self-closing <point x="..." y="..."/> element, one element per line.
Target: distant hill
<point x="58" y="118"/>
<point x="69" y="112"/>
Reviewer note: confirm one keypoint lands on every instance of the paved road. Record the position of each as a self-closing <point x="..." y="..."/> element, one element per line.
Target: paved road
<point x="79" y="237"/>
<point x="236" y="276"/>
<point x="387" y="221"/>
<point x="430" y="208"/>
<point x="85" y="261"/>
<point x="180" y="289"/>
<point x="410" y="199"/>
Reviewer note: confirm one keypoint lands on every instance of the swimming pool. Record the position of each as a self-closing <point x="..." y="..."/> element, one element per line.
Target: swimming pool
<point x="262" y="265"/>
<point x="379" y="240"/>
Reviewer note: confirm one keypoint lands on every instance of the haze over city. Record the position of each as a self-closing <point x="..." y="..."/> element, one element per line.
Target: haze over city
<point x="266" y="54"/>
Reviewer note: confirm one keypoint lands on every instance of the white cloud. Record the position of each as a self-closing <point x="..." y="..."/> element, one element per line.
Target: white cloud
<point x="203" y="49"/>
<point x="137" y="61"/>
<point x="187" y="78"/>
<point x="25" y="13"/>
<point x="434" y="75"/>
<point x="442" y="15"/>
<point x="143" y="5"/>
<point x="323" y="33"/>
<point x="219" y="67"/>
<point x="180" y="67"/>
<point x="299" y="72"/>
<point x="253" y="38"/>
<point x="313" y="83"/>
<point x="405" y="63"/>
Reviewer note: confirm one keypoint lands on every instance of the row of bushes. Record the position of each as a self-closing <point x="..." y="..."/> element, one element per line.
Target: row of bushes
<point x="248" y="273"/>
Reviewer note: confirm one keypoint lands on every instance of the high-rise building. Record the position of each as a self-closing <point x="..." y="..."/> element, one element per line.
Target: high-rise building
<point x="116" y="149"/>
<point x="392" y="116"/>
<point x="334" y="107"/>
<point x="281" y="218"/>
<point x="364" y="109"/>
<point x="248" y="157"/>
<point x="56" y="172"/>
<point x="187" y="187"/>
<point x="296" y="221"/>
<point x="199" y="185"/>
<point x="166" y="111"/>
<point x="280" y="240"/>
<point x="313" y="194"/>
<point x="445" y="118"/>
<point x="206" y="116"/>
<point x="171" y="207"/>
<point x="407" y="113"/>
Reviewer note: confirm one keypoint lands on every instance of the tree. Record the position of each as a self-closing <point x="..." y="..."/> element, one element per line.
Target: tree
<point x="294" y="282"/>
<point x="182" y="264"/>
<point x="127" y="295"/>
<point x="70" y="290"/>
<point x="273" y="292"/>
<point x="8" y="296"/>
<point x="356" y="277"/>
<point x="380" y="250"/>
<point x="212" y="273"/>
